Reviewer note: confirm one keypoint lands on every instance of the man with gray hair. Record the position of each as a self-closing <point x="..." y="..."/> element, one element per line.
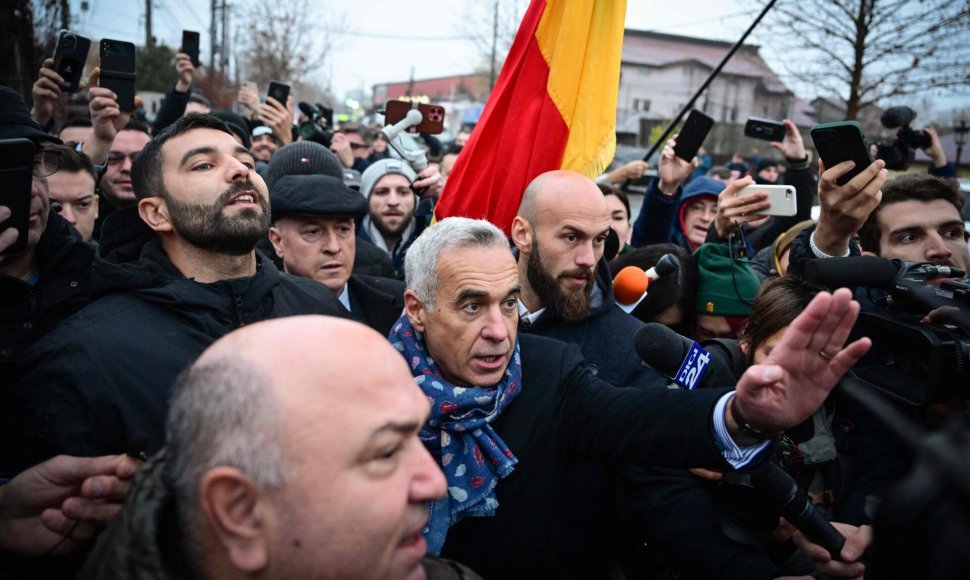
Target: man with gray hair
<point x="280" y="466"/>
<point x="513" y="415"/>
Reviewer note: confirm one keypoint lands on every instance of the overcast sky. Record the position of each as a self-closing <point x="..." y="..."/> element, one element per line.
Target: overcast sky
<point x="383" y="39"/>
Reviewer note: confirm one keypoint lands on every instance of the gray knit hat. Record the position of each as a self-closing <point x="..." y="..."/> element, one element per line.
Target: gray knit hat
<point x="303" y="158"/>
<point x="379" y="169"/>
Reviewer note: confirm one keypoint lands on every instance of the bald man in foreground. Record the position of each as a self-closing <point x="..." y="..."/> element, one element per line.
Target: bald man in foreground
<point x="284" y="460"/>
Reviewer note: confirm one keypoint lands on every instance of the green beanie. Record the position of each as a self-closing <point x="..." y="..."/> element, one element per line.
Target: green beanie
<point x="725" y="287"/>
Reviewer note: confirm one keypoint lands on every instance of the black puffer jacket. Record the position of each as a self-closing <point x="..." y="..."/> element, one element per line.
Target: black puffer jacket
<point x="106" y="373"/>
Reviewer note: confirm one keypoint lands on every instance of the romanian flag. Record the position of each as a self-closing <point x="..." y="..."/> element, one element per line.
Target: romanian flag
<point x="553" y="107"/>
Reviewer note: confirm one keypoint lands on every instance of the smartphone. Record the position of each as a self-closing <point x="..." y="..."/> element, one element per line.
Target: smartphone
<point x="190" y="46"/>
<point x="118" y="71"/>
<point x="692" y="135"/>
<point x="278" y="91"/>
<point x="16" y="174"/>
<point x="782" y="198"/>
<point x="842" y="141"/>
<point x="764" y="129"/>
<point x="70" y="54"/>
<point x="433" y="116"/>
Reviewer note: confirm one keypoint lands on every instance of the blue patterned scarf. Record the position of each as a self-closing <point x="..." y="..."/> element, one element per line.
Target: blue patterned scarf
<point x="459" y="434"/>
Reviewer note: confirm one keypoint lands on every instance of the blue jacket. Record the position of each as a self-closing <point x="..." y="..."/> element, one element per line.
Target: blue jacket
<point x="659" y="219"/>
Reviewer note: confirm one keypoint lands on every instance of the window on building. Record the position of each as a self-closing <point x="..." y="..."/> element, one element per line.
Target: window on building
<point x="641" y="105"/>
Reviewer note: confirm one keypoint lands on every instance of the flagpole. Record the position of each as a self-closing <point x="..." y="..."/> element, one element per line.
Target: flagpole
<point x="690" y="104"/>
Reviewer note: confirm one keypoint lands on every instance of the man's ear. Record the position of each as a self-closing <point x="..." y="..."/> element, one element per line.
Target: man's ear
<point x="154" y="212"/>
<point x="235" y="511"/>
<point x="414" y="309"/>
<point x="277" y="240"/>
<point x="522" y="234"/>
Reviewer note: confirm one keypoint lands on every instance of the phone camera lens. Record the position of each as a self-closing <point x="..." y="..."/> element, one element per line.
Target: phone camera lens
<point x="70" y="42"/>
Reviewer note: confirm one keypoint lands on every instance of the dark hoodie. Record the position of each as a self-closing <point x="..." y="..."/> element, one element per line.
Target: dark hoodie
<point x="661" y="218"/>
<point x="106" y="373"/>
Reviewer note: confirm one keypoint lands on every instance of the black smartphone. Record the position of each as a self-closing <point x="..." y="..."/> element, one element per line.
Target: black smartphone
<point x="190" y="46"/>
<point x="16" y="174"/>
<point x="764" y="129"/>
<point x="278" y="91"/>
<point x="842" y="141"/>
<point x="692" y="135"/>
<point x="70" y="54"/>
<point x="118" y="71"/>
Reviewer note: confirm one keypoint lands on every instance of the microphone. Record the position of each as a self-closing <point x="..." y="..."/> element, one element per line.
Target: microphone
<point x="631" y="283"/>
<point x="865" y="271"/>
<point x="797" y="508"/>
<point x="679" y="358"/>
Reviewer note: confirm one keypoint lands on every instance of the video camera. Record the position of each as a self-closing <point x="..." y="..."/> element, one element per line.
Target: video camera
<point x="899" y="152"/>
<point x="319" y="124"/>
<point x="911" y="361"/>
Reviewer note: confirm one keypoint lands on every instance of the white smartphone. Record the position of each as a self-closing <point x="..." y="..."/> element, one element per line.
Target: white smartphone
<point x="781" y="197"/>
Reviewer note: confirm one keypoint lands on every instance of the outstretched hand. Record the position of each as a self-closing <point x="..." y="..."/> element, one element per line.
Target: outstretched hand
<point x="804" y="367"/>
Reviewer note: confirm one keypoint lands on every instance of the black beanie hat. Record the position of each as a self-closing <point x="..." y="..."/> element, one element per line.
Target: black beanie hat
<point x="303" y="158"/>
<point x="15" y="119"/>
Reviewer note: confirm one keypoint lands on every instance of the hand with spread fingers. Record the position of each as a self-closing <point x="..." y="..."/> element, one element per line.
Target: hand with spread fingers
<point x="673" y="170"/>
<point x="793" y="382"/>
<point x="844" y="208"/>
<point x="857" y="540"/>
<point x="51" y="508"/>
<point x="733" y="210"/>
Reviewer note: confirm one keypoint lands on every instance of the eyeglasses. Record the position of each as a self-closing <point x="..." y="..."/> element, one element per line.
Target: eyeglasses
<point x="356" y="146"/>
<point x="46" y="163"/>
<point x="116" y="157"/>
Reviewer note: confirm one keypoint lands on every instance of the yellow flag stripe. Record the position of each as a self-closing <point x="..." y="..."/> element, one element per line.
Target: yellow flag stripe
<point x="582" y="42"/>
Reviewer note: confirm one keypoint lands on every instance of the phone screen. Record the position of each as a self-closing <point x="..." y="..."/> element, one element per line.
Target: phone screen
<point x="118" y="71"/>
<point x="190" y="45"/>
<point x="16" y="174"/>
<point x="692" y="135"/>
<point x="278" y="91"/>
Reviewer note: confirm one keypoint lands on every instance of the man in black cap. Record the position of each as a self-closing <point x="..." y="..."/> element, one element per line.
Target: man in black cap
<point x="314" y="234"/>
<point x="48" y="279"/>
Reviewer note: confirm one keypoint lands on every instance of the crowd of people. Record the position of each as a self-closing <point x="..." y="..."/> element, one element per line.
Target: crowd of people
<point x="229" y="351"/>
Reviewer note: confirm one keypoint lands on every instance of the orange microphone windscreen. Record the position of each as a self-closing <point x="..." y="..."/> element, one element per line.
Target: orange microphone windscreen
<point x="630" y="284"/>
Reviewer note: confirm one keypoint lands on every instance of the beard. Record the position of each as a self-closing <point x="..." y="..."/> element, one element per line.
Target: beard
<point x="570" y="305"/>
<point x="387" y="230"/>
<point x="207" y="227"/>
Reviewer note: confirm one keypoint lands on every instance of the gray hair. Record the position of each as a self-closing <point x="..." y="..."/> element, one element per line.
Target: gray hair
<point x="421" y="260"/>
<point x="222" y="414"/>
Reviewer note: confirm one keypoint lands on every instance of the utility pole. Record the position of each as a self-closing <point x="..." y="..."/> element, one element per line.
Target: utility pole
<point x="213" y="45"/>
<point x="491" y="75"/>
<point x="224" y="45"/>
<point x="148" y="24"/>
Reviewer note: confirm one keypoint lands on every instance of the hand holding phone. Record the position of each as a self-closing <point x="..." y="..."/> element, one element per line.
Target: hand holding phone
<point x="764" y="129"/>
<point x="190" y="46"/>
<point x="279" y="91"/>
<point x="842" y="141"/>
<point x="781" y="199"/>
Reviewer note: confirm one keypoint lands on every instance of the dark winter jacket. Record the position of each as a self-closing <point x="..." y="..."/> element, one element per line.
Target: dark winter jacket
<point x="605" y="336"/>
<point x="105" y="374"/>
<point x="27" y="311"/>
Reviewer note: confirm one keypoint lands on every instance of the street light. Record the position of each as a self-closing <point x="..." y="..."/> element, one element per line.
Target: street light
<point x="960" y="136"/>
